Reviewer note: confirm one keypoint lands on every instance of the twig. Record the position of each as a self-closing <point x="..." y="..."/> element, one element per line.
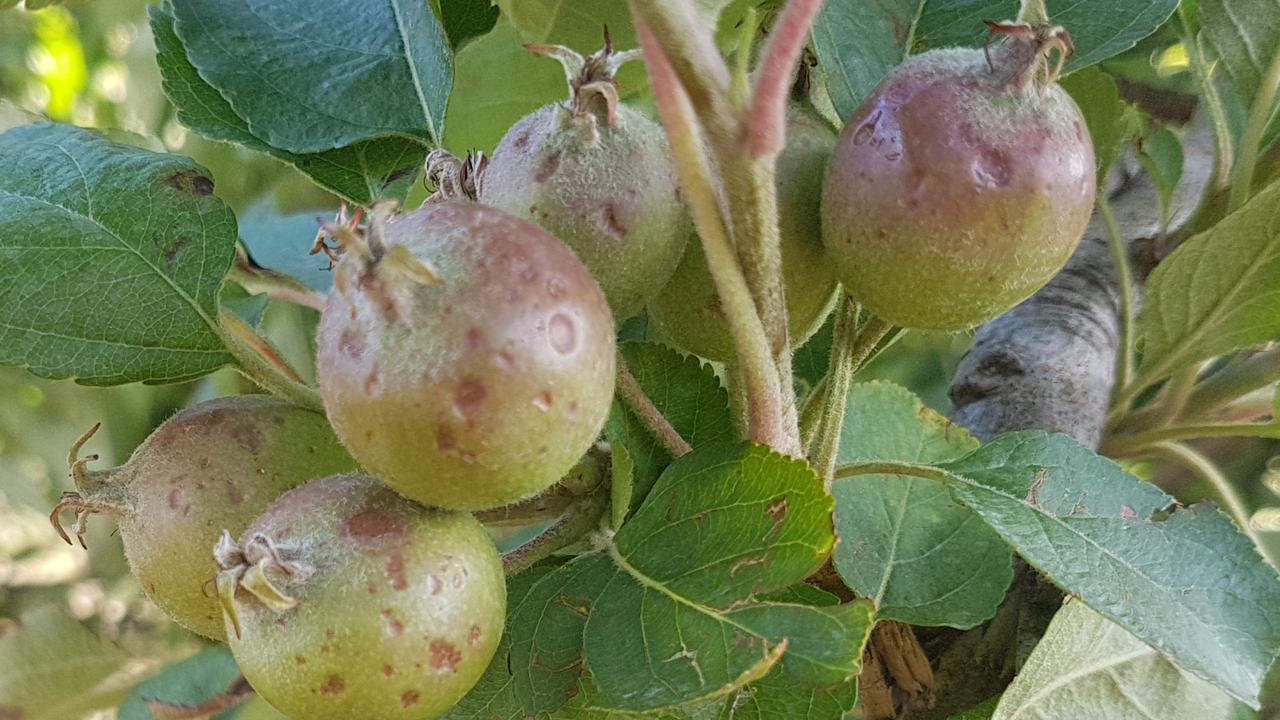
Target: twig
<point x="578" y="519"/>
<point x="850" y="349"/>
<point x="1206" y="470"/>
<point x="1124" y="278"/>
<point x="760" y="381"/>
<point x="261" y="362"/>
<point x="1127" y="445"/>
<point x="634" y="396"/>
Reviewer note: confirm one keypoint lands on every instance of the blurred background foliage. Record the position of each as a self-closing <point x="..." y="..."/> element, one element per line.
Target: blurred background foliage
<point x="90" y="62"/>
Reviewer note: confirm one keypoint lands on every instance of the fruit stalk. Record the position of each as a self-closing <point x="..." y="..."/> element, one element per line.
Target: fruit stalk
<point x="761" y="384"/>
<point x="633" y="395"/>
<point x="748" y="173"/>
<point x="575" y="523"/>
<point x="849" y="350"/>
<point x="263" y="364"/>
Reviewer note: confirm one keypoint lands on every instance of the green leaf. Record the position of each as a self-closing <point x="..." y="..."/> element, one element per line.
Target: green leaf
<point x="722" y="524"/>
<point x="1161" y="155"/>
<point x="1087" y="666"/>
<point x="1191" y="585"/>
<point x="688" y="394"/>
<point x="1100" y="28"/>
<point x="208" y="681"/>
<point x="777" y="698"/>
<point x="248" y="308"/>
<point x="498" y="82"/>
<point x="53" y="668"/>
<point x="664" y="617"/>
<point x="904" y="542"/>
<point x="1245" y="36"/>
<point x="981" y="712"/>
<point x="360" y="173"/>
<point x="464" y="20"/>
<point x="282" y="243"/>
<point x="1218" y="292"/>
<point x="111" y="259"/>
<point x="300" y="73"/>
<point x="859" y="41"/>
<point x="1110" y="119"/>
<point x="546" y="632"/>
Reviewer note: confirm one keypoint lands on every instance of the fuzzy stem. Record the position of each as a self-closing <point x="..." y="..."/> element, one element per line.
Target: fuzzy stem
<point x="760" y="381"/>
<point x="1207" y="471"/>
<point x="1124" y="278"/>
<point x="277" y="288"/>
<point x="825" y="442"/>
<point x="692" y="56"/>
<point x="1259" y="116"/>
<point x="767" y="123"/>
<point x="262" y="363"/>
<point x="1127" y="445"/>
<point x="1033" y="12"/>
<point x="578" y="520"/>
<point x="1212" y="100"/>
<point x="850" y="350"/>
<point x="635" y="398"/>
<point x="740" y="88"/>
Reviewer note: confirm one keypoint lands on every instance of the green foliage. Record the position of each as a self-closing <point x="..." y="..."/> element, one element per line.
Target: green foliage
<point x="1087" y="666"/>
<point x="53" y="668"/>
<point x="906" y="545"/>
<point x="300" y="82"/>
<point x="206" y="682"/>
<point x="465" y="20"/>
<point x="1189" y="584"/>
<point x="486" y="102"/>
<point x="1244" y="36"/>
<point x="133" y="246"/>
<point x="689" y="395"/>
<point x="1099" y="28"/>
<point x="1111" y="121"/>
<point x="671" y="592"/>
<point x="1217" y="292"/>
<point x="691" y="600"/>
<point x="859" y="42"/>
<point x="359" y="172"/>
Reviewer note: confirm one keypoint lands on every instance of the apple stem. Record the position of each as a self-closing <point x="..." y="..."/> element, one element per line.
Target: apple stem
<point x="262" y="363"/>
<point x="635" y="398"/>
<point x="850" y="348"/>
<point x="577" y="521"/>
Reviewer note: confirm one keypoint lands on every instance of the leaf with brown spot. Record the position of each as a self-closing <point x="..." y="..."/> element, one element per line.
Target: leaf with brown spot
<point x="111" y="275"/>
